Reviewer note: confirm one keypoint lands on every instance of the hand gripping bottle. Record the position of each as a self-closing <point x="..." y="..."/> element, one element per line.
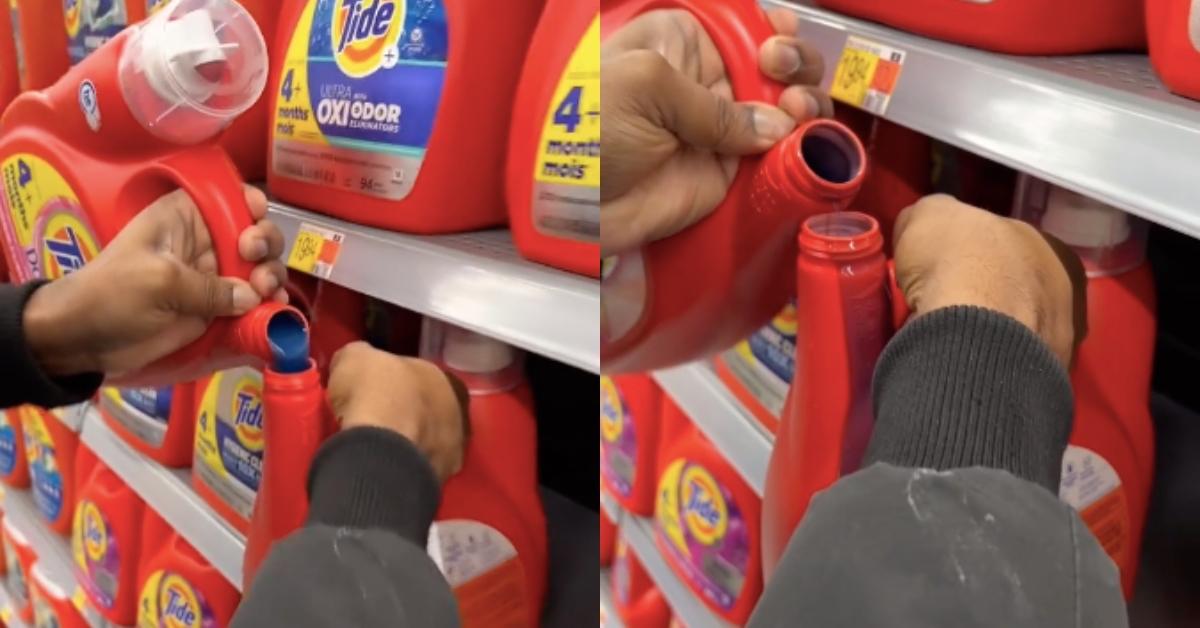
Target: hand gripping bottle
<point x="843" y="321"/>
<point x="629" y="407"/>
<point x="91" y="23"/>
<point x="741" y="254"/>
<point x="50" y="448"/>
<point x="554" y="147"/>
<point x="1109" y="463"/>
<point x="50" y="595"/>
<point x="41" y="41"/>
<point x="1033" y="27"/>
<point x="707" y="522"/>
<point x="759" y="369"/>
<point x="379" y="115"/>
<point x="491" y="516"/>
<point x="158" y="422"/>
<point x="639" y="603"/>
<point x="1173" y="27"/>
<point x="106" y="540"/>
<point x="177" y="586"/>
<point x="14" y="470"/>
<point x="19" y="557"/>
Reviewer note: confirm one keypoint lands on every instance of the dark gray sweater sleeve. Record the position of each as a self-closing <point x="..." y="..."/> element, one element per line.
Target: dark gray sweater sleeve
<point x="954" y="521"/>
<point x="360" y="560"/>
<point x="22" y="380"/>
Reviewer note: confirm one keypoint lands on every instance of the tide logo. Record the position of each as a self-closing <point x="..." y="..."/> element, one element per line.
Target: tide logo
<point x="785" y="321"/>
<point x="704" y="511"/>
<point x="247" y="412"/>
<point x="72" y="16"/>
<point x="66" y="246"/>
<point x="95" y="533"/>
<point x="365" y="33"/>
<point x="612" y="410"/>
<point x="178" y="604"/>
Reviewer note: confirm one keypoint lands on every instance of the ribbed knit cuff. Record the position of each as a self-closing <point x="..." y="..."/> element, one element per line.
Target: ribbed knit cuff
<point x="370" y="477"/>
<point x="24" y="380"/>
<point x="965" y="386"/>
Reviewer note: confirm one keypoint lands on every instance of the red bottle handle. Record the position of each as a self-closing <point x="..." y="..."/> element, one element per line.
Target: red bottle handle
<point x="900" y="310"/>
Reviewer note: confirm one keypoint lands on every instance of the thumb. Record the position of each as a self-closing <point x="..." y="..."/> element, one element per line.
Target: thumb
<point x="207" y="295"/>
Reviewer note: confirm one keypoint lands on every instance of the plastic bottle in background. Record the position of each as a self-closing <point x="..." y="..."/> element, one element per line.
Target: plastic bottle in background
<point x="707" y="523"/>
<point x="14" y="469"/>
<point x="840" y="331"/>
<point x="52" y="607"/>
<point x="629" y="409"/>
<point x="639" y="603"/>
<point x="1108" y="467"/>
<point x="50" y="449"/>
<point x="227" y="466"/>
<point x="91" y="23"/>
<point x="608" y="532"/>
<point x="246" y="139"/>
<point x="41" y="42"/>
<point x="649" y="317"/>
<point x="372" y="106"/>
<point x="554" y="146"/>
<point x="759" y="369"/>
<point x="106" y="540"/>
<point x="158" y="422"/>
<point x="491" y="515"/>
<point x="18" y="561"/>
<point x="1033" y="27"/>
<point x="10" y="76"/>
<point x="1173" y="28"/>
<point x="901" y="162"/>
<point x="177" y="586"/>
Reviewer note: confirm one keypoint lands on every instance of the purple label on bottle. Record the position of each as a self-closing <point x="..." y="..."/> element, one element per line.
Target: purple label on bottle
<point x="618" y="439"/>
<point x="96" y="554"/>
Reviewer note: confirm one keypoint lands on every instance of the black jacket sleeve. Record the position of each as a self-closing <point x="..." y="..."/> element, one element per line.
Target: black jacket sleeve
<point x="360" y="560"/>
<point x="22" y="380"/>
<point x="955" y="521"/>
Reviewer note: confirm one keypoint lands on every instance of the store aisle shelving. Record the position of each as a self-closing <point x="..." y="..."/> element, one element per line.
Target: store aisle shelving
<point x="638" y="532"/>
<point x="608" y="612"/>
<point x="8" y="614"/>
<point x="475" y="280"/>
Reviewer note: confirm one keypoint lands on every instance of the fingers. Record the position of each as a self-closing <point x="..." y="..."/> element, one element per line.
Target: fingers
<point x="268" y="278"/>
<point x="256" y="200"/>
<point x="207" y="295"/>
<point x="260" y="242"/>
<point x="784" y="21"/>
<point x="792" y="61"/>
<point x="804" y="102"/>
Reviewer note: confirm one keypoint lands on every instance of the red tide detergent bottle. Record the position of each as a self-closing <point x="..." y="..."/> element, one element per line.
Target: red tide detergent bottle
<point x="639" y="603"/>
<point x="91" y="23"/>
<point x="10" y="77"/>
<point x="489" y="537"/>
<point x="158" y="422"/>
<point x="759" y="369"/>
<point x="229" y="444"/>
<point x="50" y="449"/>
<point x="900" y="174"/>
<point x="608" y="529"/>
<point x="19" y="557"/>
<point x="41" y="42"/>
<point x="106" y="541"/>
<point x="14" y="469"/>
<point x="554" y="184"/>
<point x="629" y="408"/>
<point x="375" y="103"/>
<point x="707" y="522"/>
<point x="246" y="138"/>
<point x="177" y="586"/>
<point x="649" y="318"/>
<point x="1173" y="27"/>
<point x="843" y="322"/>
<point x="50" y="595"/>
<point x="1035" y="27"/>
<point x="1109" y="463"/>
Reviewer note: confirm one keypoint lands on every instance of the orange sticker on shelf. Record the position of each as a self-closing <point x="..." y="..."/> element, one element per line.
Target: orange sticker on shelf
<point x="867" y="74"/>
<point x="316" y="250"/>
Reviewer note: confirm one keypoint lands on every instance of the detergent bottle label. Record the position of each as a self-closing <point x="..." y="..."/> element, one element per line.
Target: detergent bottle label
<point x="765" y="362"/>
<point x="229" y="437"/>
<point x="96" y="553"/>
<point x="144" y="412"/>
<point x="43" y="220"/>
<point x="90" y="24"/>
<point x="360" y="89"/>
<point x="14" y="575"/>
<point x="483" y="569"/>
<point x="704" y="531"/>
<point x="14" y="13"/>
<point x="1090" y="485"/>
<point x="8" y="442"/>
<point x="44" y="472"/>
<point x="154" y="6"/>
<point x="168" y="600"/>
<point x="566" y="198"/>
<point x="618" y="439"/>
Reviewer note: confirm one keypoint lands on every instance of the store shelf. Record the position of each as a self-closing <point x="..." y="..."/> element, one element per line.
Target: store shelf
<point x="1101" y="125"/>
<point x="8" y="614"/>
<point x="475" y="280"/>
<point x="169" y="492"/>
<point x="53" y="551"/>
<point x="608" y="612"/>
<point x="704" y="398"/>
<point x="638" y="532"/>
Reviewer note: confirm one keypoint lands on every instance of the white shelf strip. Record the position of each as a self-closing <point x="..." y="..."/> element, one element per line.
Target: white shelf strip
<point x="638" y="532"/>
<point x="608" y="611"/>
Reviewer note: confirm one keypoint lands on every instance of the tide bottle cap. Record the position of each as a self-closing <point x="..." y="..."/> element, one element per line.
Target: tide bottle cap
<point x="1084" y="222"/>
<point x="470" y="352"/>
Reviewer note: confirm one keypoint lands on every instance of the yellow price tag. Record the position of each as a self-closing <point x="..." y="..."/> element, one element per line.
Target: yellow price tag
<point x="867" y="74"/>
<point x="315" y="250"/>
<point x="853" y="76"/>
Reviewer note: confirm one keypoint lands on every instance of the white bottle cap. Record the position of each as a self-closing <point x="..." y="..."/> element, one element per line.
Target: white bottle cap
<point x="179" y="57"/>
<point x="1084" y="222"/>
<point x="470" y="352"/>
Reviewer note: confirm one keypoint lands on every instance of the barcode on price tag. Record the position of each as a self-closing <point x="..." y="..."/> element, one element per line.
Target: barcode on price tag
<point x="316" y="250"/>
<point x="867" y="74"/>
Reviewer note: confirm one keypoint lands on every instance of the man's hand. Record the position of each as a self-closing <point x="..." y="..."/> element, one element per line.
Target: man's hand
<point x="949" y="253"/>
<point x="672" y="133"/>
<point x="406" y="395"/>
<point x="151" y="291"/>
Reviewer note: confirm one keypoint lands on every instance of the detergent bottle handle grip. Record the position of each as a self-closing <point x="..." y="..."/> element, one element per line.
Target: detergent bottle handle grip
<point x="900" y="309"/>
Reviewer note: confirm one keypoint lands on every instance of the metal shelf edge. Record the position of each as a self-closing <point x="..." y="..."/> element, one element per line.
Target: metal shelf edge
<point x="608" y="612"/>
<point x="638" y="532"/>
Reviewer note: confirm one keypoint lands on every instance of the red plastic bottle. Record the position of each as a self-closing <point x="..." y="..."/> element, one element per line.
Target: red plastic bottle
<point x="41" y="42"/>
<point x="1109" y="464"/>
<point x="90" y="24"/>
<point x="1034" y="27"/>
<point x="14" y="469"/>
<point x="1175" y="44"/>
<point x="554" y="148"/>
<point x="228" y="463"/>
<point x="158" y="422"/>
<point x="50" y="597"/>
<point x="629" y="407"/>
<point x="608" y="531"/>
<point x="707" y="523"/>
<point x="650" y="317"/>
<point x="50" y="448"/>
<point x="246" y="138"/>
<point x="178" y="587"/>
<point x="19" y="557"/>
<point x="900" y="173"/>
<point x="489" y="537"/>
<point x="400" y="163"/>
<point x="759" y="370"/>
<point x="106" y="540"/>
<point x="840" y="332"/>
<point x="639" y="603"/>
<point x="10" y="77"/>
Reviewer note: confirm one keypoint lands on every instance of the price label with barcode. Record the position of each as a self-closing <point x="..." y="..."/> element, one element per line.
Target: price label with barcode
<point x="867" y="74"/>
<point x="315" y="250"/>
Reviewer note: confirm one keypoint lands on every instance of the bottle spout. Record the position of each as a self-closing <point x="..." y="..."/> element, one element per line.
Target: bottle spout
<point x="275" y="333"/>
